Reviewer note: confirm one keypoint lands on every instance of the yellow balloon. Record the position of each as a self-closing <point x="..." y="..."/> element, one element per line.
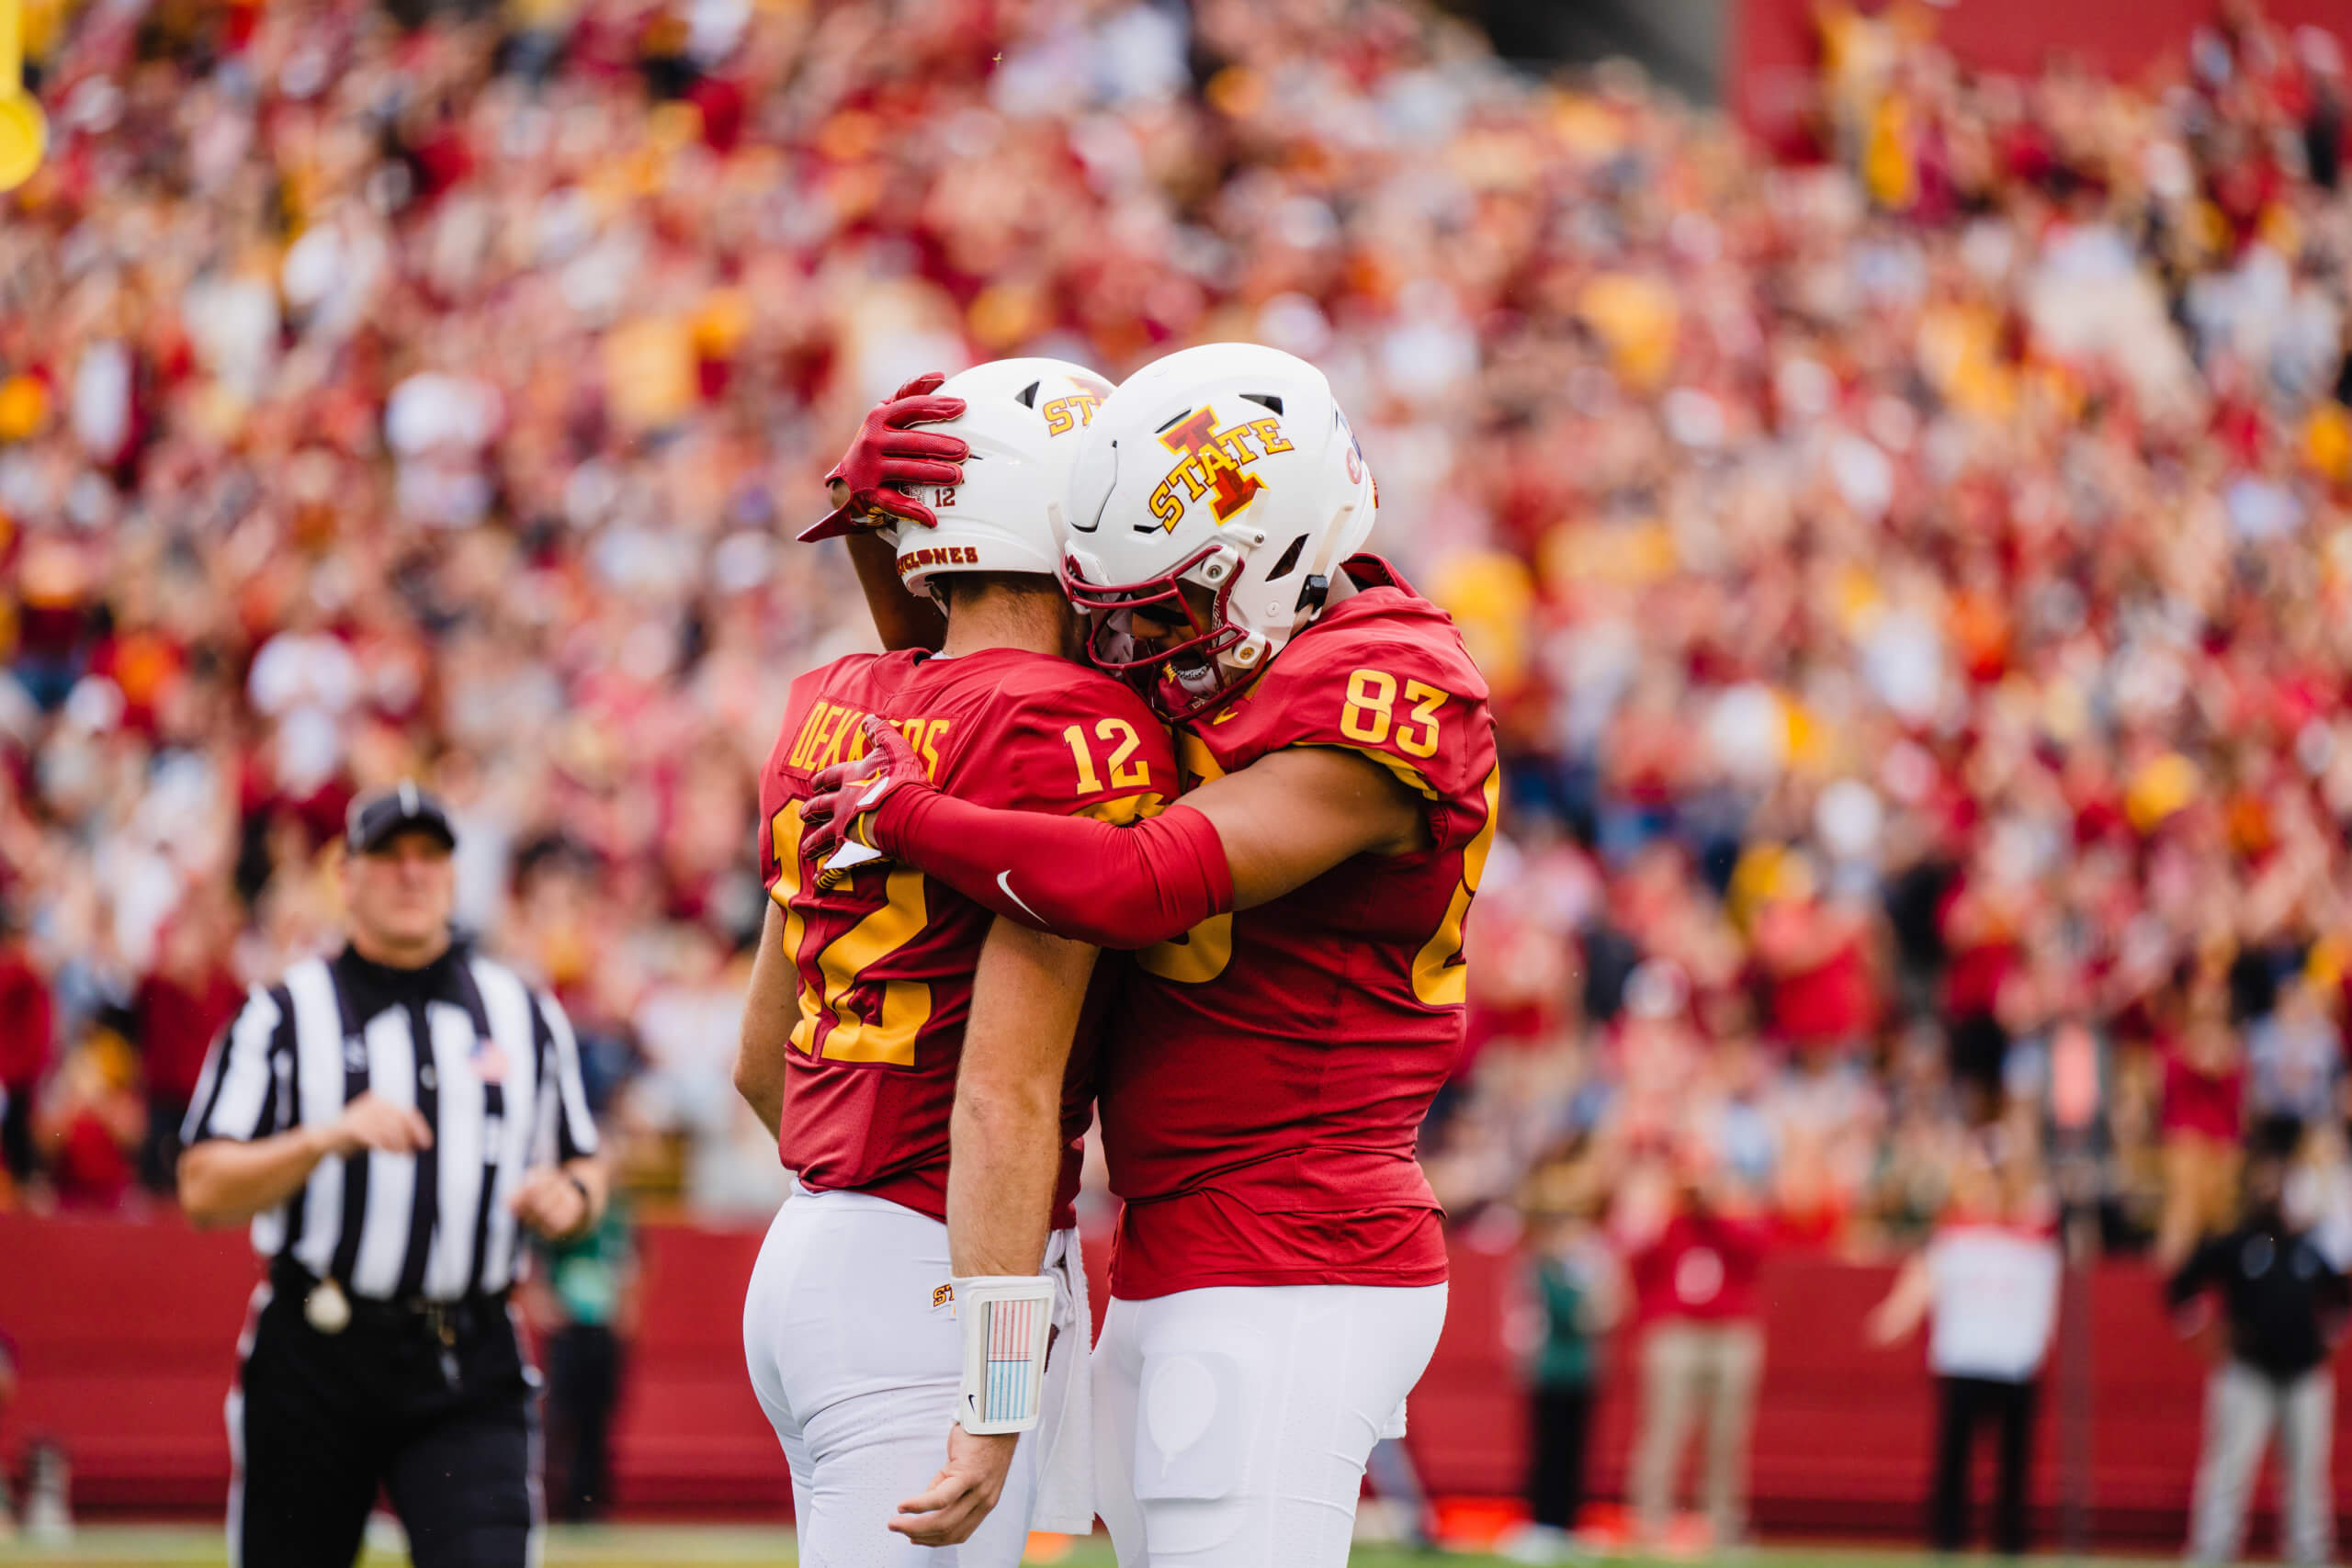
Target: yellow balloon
<point x="24" y="136"/>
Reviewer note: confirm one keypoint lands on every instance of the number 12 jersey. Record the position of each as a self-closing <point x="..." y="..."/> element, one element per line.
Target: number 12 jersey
<point x="886" y="958"/>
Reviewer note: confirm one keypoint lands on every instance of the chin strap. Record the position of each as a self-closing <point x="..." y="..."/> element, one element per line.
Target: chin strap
<point x="1007" y="1321"/>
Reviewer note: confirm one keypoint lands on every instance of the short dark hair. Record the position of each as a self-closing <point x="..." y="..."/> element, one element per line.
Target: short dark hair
<point x="950" y="586"/>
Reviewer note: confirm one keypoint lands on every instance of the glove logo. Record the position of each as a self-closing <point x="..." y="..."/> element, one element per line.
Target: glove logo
<point x="1214" y="463"/>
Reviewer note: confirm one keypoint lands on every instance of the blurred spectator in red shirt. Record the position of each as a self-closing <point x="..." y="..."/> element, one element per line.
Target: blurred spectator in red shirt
<point x="185" y="1000"/>
<point x="27" y="1020"/>
<point x="1702" y="1348"/>
<point x="90" y="1123"/>
<point x="1817" y="974"/>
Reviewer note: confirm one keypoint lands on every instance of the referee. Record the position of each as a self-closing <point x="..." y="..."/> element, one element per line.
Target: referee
<point x="387" y="1118"/>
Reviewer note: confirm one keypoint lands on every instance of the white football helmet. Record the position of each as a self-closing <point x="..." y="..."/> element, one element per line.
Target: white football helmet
<point x="1024" y="419"/>
<point x="1228" y="466"/>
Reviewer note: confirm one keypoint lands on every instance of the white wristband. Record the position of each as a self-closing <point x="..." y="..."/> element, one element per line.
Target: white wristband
<point x="1007" y="1320"/>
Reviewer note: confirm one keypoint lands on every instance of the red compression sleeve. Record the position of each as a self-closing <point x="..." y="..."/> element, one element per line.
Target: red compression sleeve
<point x="1072" y="877"/>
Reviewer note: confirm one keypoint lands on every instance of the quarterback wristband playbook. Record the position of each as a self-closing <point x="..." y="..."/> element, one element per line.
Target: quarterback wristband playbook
<point x="1007" y="1320"/>
<point x="1072" y="877"/>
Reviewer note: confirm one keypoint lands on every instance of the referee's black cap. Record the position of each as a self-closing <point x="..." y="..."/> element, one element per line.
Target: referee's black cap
<point x="375" y="818"/>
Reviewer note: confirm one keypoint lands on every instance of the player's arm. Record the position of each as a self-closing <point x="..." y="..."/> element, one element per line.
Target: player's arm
<point x="770" y="1010"/>
<point x="1237" y="842"/>
<point x="1005" y="1133"/>
<point x="1004" y="1156"/>
<point x="1291" y="815"/>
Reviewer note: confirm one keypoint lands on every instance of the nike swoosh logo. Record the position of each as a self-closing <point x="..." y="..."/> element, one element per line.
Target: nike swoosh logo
<point x="1004" y="885"/>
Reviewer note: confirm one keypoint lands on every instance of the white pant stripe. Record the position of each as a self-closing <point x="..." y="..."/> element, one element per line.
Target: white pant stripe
<point x="233" y="1412"/>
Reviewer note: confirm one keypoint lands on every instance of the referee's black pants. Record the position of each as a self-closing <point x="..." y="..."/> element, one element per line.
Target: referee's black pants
<point x="320" y="1421"/>
<point x="1969" y="1403"/>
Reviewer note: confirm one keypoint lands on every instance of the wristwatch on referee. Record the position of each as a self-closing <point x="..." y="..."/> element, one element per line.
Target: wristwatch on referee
<point x="587" y="1209"/>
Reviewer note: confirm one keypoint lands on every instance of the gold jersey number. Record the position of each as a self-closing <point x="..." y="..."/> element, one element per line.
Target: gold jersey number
<point x="866" y="1028"/>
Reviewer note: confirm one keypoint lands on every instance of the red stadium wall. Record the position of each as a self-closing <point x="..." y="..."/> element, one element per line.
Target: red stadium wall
<point x="125" y="1335"/>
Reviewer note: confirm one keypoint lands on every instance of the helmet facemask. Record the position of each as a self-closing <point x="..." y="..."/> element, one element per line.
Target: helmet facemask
<point x="1212" y="656"/>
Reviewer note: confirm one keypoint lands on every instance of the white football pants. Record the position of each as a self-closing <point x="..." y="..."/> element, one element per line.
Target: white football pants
<point x="1231" y="1424"/>
<point x="858" y="1372"/>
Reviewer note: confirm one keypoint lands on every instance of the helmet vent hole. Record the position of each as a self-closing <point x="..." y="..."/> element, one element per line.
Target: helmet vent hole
<point x="1264" y="399"/>
<point x="1289" y="562"/>
<point x="1027" y="396"/>
<point x="1174" y="420"/>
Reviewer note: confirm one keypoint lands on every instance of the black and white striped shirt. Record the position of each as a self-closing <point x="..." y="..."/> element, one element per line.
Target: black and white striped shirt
<point x="498" y="1081"/>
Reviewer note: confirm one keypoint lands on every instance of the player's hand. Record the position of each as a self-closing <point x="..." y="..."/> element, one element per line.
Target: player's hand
<point x="372" y="1121"/>
<point x="549" y="1202"/>
<point x="847" y="791"/>
<point x="963" y="1492"/>
<point x="887" y="451"/>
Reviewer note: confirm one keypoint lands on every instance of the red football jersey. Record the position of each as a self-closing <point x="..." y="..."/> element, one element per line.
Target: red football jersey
<point x="1267" y="1075"/>
<point x="885" y="959"/>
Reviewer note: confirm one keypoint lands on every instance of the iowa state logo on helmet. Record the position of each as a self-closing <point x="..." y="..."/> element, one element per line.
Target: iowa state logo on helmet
<point x="1075" y="410"/>
<point x="1213" y="465"/>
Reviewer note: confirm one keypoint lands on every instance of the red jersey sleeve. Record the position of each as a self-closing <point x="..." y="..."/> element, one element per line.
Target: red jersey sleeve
<point x="1416" y="707"/>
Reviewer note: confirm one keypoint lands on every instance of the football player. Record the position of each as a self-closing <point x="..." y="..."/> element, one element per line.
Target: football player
<point x="1278" y="1279"/>
<point x="892" y="1021"/>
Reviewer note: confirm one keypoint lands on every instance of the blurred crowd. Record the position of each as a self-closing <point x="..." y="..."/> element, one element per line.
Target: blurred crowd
<point x="1930" y="725"/>
<point x="1913" y="567"/>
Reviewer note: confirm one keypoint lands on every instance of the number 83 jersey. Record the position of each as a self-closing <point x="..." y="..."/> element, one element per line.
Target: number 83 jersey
<point x="1267" y="1074"/>
<point x="886" y="958"/>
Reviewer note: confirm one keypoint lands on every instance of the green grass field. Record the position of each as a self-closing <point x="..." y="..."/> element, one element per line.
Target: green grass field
<point x="663" y="1547"/>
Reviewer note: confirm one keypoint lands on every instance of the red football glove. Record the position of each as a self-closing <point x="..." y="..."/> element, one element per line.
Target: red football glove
<point x="887" y="452"/>
<point x="848" y="791"/>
